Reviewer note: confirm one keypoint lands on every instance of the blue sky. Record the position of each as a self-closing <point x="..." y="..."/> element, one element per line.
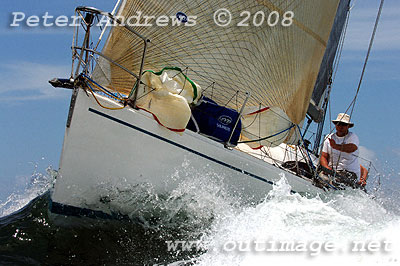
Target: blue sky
<point x="33" y="114"/>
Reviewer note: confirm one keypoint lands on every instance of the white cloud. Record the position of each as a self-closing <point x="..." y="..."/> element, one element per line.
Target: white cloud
<point x="366" y="154"/>
<point x="35" y="31"/>
<point x="23" y="81"/>
<point x="396" y="151"/>
<point x="361" y="25"/>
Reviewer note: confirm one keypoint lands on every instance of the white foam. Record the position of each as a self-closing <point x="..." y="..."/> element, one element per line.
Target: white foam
<point x="346" y="220"/>
<point x="37" y="184"/>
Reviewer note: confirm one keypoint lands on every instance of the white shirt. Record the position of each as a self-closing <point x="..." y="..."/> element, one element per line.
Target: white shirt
<point x="347" y="161"/>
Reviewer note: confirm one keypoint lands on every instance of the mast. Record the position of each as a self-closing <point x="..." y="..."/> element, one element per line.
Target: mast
<point x="320" y="96"/>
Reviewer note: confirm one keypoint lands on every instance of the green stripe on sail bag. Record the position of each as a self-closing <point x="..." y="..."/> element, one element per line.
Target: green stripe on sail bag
<point x="171" y="68"/>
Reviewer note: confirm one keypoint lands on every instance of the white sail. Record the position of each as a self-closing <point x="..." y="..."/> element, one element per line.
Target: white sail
<point x="277" y="63"/>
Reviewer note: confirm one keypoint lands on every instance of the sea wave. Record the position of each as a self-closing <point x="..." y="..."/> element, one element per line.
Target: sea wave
<point x="339" y="227"/>
<point x="200" y="223"/>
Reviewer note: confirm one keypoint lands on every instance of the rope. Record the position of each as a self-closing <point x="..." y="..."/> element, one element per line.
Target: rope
<point x="261" y="139"/>
<point x="97" y="85"/>
<point x="353" y="103"/>
<point x="105" y="107"/>
<point x="90" y="81"/>
<point x="341" y="45"/>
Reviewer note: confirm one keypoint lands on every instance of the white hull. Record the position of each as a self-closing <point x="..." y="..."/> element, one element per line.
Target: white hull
<point x="104" y="146"/>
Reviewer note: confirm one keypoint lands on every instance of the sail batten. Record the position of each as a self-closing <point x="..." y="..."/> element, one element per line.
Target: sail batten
<point x="277" y="64"/>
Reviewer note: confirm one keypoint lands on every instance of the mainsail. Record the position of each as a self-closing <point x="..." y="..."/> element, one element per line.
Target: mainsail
<point x="276" y="61"/>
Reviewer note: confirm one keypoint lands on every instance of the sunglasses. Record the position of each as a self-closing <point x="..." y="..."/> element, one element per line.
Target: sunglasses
<point x="341" y="124"/>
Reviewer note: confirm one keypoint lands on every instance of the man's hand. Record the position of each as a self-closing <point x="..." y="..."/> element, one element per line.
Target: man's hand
<point x="348" y="148"/>
<point x="362" y="182"/>
<point x="332" y="142"/>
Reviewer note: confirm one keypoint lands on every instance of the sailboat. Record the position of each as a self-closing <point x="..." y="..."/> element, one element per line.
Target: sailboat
<point x="232" y="93"/>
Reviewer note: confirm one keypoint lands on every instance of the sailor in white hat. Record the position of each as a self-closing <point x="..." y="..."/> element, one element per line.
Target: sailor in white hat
<point x="340" y="149"/>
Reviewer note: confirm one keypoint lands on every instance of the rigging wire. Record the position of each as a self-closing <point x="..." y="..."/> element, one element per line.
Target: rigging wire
<point x="335" y="69"/>
<point x="353" y="103"/>
<point x="325" y="105"/>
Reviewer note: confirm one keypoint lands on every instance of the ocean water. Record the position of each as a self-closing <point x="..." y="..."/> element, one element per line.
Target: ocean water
<point x="200" y="223"/>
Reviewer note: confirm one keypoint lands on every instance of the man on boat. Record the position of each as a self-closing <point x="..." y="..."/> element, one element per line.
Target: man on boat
<point x="340" y="152"/>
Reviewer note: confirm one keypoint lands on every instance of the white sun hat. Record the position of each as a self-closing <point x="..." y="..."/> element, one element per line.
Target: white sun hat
<point x="343" y="118"/>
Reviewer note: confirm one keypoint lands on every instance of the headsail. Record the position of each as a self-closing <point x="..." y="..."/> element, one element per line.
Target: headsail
<point x="277" y="64"/>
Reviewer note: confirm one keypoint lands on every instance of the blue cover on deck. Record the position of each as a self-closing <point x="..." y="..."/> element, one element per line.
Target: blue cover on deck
<point x="215" y="121"/>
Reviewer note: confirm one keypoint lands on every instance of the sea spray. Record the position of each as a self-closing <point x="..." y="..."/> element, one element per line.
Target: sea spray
<point x="37" y="184"/>
<point x="199" y="197"/>
<point x="343" y="227"/>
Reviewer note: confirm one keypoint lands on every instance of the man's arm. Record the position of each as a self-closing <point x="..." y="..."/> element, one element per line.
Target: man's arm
<point x="324" y="160"/>
<point x="363" y="176"/>
<point x="348" y="148"/>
